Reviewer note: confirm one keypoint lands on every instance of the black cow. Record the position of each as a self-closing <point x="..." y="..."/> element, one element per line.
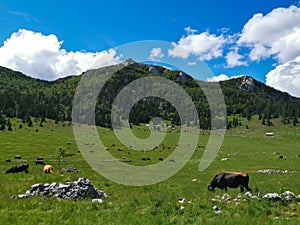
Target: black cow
<point x="230" y="179"/>
<point x="18" y="168"/>
<point x="40" y="162"/>
<point x="18" y="157"/>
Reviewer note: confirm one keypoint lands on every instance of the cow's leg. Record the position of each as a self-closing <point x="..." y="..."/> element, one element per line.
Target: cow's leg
<point x="242" y="188"/>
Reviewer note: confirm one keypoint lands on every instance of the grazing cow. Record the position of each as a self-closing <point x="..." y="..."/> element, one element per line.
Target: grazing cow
<point x="40" y="162"/>
<point x="18" y="168"/>
<point x="40" y="158"/>
<point x="18" y="157"/>
<point x="8" y="160"/>
<point x="48" y="169"/>
<point x="230" y="179"/>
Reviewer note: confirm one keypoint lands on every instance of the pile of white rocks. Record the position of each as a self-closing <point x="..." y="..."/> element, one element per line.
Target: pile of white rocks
<point x="82" y="188"/>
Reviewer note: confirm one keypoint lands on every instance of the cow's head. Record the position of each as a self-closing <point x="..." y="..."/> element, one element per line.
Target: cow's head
<point x="210" y="188"/>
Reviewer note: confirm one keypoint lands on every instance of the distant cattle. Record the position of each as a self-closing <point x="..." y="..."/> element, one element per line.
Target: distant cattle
<point x="18" y="168"/>
<point x="39" y="162"/>
<point x="231" y="180"/>
<point x="18" y="157"/>
<point x="7" y="160"/>
<point x="48" y="169"/>
<point x="40" y="158"/>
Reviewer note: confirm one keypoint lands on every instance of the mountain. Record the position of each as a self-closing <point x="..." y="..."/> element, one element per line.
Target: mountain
<point x="22" y="97"/>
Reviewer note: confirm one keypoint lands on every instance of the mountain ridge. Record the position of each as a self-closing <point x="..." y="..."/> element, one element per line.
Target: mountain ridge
<point x="22" y="96"/>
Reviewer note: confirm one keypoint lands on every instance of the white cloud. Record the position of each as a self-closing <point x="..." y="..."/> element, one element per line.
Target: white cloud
<point x="233" y="59"/>
<point x="277" y="33"/>
<point x="156" y="54"/>
<point x="189" y="30"/>
<point x="192" y="63"/>
<point x="221" y="77"/>
<point x="41" y="56"/>
<point x="217" y="78"/>
<point x="286" y="77"/>
<point x="205" y="46"/>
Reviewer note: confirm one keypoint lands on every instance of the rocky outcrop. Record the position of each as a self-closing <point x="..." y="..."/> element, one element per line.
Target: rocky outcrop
<point x="247" y="84"/>
<point x="154" y="70"/>
<point x="82" y="188"/>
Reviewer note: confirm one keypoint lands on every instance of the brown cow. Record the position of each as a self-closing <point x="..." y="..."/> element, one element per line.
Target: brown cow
<point x="230" y="179"/>
<point x="48" y="169"/>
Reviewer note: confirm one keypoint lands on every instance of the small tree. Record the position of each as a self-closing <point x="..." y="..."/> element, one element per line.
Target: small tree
<point x="295" y="121"/>
<point x="60" y="153"/>
<point x="9" y="125"/>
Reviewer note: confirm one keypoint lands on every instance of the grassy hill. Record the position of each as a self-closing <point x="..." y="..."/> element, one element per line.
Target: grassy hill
<point x="247" y="150"/>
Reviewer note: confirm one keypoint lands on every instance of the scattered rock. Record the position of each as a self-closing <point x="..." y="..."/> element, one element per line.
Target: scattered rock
<point x="269" y="171"/>
<point x="97" y="200"/>
<point x="70" y="169"/>
<point x="225" y="197"/>
<point x="181" y="200"/>
<point x="288" y="195"/>
<point x="272" y="196"/>
<point x="217" y="210"/>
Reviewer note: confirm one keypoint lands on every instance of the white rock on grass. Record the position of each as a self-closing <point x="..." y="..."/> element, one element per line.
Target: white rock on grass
<point x="217" y="210"/>
<point x="272" y="196"/>
<point x="97" y="200"/>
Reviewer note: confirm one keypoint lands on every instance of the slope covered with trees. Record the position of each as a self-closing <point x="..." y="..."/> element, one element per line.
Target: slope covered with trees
<point x="23" y="97"/>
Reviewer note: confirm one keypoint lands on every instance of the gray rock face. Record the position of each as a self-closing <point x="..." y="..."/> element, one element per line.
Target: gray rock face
<point x="153" y="70"/>
<point x="247" y="84"/>
<point x="82" y="188"/>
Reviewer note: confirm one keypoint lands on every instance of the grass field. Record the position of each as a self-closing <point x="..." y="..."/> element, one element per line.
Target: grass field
<point x="247" y="150"/>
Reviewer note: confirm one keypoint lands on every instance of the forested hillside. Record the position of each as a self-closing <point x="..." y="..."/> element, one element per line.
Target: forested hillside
<point x="23" y="97"/>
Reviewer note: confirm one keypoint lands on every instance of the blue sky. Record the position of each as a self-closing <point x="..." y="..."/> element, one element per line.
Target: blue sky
<point x="51" y="39"/>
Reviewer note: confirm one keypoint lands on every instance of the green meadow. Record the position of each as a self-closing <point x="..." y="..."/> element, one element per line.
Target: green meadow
<point x="244" y="149"/>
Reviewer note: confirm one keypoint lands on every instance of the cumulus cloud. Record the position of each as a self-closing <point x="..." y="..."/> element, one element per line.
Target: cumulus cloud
<point x="286" y="77"/>
<point x="205" y="46"/>
<point x="233" y="58"/>
<point x="275" y="34"/>
<point x="156" y="54"/>
<point x="41" y="56"/>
